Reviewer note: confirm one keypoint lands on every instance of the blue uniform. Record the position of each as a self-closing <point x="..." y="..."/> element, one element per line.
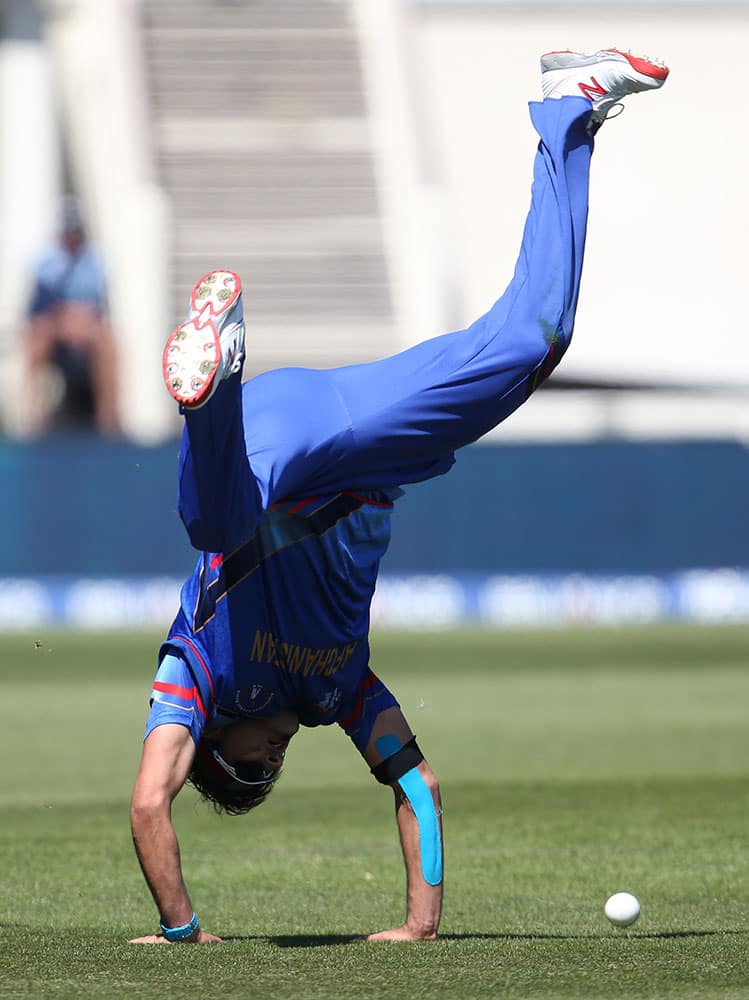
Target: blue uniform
<point x="282" y="620"/>
<point x="287" y="482"/>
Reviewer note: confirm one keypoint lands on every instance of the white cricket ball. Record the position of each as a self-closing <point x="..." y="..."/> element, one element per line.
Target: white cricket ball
<point x="622" y="909"/>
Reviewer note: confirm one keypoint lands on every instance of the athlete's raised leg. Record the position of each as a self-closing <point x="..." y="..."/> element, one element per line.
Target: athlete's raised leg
<point x="402" y="418"/>
<point x="418" y="407"/>
<point x="236" y="459"/>
<point x="399" y="420"/>
<point x="410" y="412"/>
<point x="218" y="496"/>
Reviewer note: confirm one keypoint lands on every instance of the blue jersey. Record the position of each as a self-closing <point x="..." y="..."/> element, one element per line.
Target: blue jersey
<point x="282" y="622"/>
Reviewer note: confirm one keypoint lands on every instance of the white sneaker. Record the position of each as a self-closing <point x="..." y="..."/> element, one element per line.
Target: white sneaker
<point x="604" y="77"/>
<point x="209" y="345"/>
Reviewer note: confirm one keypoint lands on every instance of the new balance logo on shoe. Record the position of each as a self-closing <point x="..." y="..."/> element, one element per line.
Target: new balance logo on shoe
<point x="592" y="90"/>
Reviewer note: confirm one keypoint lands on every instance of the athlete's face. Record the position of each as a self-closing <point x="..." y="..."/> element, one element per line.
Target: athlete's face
<point x="258" y="741"/>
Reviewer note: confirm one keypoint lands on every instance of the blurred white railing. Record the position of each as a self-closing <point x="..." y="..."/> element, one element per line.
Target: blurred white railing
<point x="413" y="204"/>
<point x="29" y="183"/>
<point x="96" y="51"/>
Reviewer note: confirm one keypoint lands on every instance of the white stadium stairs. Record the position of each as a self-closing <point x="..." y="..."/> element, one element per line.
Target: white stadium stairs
<point x="263" y="149"/>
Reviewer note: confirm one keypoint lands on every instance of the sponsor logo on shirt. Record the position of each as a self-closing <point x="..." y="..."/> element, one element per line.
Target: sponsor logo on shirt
<point x="254" y="698"/>
<point x="305" y="660"/>
<point x="330" y="702"/>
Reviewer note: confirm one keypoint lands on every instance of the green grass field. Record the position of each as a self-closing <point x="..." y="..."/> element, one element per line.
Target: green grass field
<point x="572" y="764"/>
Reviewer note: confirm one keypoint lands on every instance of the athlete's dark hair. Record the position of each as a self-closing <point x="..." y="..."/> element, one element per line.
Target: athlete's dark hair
<point x="226" y="795"/>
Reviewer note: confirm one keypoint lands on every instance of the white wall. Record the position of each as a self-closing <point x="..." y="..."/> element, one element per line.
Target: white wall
<point x="411" y="199"/>
<point x="97" y="53"/>
<point x="664" y="285"/>
<point x="29" y="184"/>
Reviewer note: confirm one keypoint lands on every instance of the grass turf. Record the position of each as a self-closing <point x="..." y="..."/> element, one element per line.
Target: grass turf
<point x="573" y="764"/>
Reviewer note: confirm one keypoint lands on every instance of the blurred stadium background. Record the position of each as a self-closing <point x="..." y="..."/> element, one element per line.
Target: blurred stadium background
<point x="365" y="166"/>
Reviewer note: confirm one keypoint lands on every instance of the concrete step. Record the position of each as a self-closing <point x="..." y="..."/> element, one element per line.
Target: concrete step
<point x="269" y="171"/>
<point x="186" y="134"/>
<point x="263" y="187"/>
<point x="262" y="76"/>
<point x="275" y="237"/>
<point x="213" y="39"/>
<point x="260" y="204"/>
<point x="260" y="126"/>
<point x="268" y="97"/>
<point x="292" y="14"/>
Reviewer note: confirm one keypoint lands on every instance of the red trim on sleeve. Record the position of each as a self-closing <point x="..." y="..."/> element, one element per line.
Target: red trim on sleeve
<point x="189" y="694"/>
<point x="301" y="505"/>
<point x="199" y="700"/>
<point x="201" y="661"/>
<point x="368" y="682"/>
<point x="373" y="503"/>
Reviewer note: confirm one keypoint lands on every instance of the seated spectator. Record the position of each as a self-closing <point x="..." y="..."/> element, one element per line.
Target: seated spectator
<point x="68" y="335"/>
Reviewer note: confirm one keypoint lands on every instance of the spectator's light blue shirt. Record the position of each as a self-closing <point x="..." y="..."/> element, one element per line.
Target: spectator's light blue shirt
<point x="61" y="276"/>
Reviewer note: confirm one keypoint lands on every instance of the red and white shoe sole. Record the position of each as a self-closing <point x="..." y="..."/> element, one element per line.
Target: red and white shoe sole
<point x="214" y="295"/>
<point x="643" y="66"/>
<point x="654" y="71"/>
<point x="192" y="353"/>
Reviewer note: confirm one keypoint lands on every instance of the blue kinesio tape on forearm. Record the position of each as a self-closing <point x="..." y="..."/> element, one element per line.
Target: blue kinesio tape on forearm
<point x="422" y="803"/>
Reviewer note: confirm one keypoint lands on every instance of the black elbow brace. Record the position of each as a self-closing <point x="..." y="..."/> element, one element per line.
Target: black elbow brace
<point x="389" y="770"/>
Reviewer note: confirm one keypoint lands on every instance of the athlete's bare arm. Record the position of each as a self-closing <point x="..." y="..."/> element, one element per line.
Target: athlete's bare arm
<point x="423" y="900"/>
<point x="167" y="757"/>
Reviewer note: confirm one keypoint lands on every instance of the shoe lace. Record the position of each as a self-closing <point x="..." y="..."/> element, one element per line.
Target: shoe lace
<point x="609" y="115"/>
<point x="597" y="119"/>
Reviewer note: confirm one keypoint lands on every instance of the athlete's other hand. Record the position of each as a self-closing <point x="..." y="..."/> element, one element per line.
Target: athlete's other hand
<point x="202" y="937"/>
<point x="403" y="933"/>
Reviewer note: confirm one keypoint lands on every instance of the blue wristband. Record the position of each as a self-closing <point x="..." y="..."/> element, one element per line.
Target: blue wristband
<point x="181" y="933"/>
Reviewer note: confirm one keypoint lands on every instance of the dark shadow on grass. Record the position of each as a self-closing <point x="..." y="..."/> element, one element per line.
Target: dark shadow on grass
<point x="299" y="940"/>
<point x="326" y="940"/>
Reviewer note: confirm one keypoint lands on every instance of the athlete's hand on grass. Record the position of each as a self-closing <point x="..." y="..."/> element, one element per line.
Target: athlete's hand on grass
<point x="403" y="933"/>
<point x="202" y="937"/>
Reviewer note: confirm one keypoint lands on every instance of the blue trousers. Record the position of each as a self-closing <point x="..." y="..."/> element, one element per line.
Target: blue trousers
<point x="299" y="432"/>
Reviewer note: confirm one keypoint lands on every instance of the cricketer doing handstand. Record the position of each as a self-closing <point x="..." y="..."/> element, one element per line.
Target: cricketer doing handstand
<point x="286" y="486"/>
